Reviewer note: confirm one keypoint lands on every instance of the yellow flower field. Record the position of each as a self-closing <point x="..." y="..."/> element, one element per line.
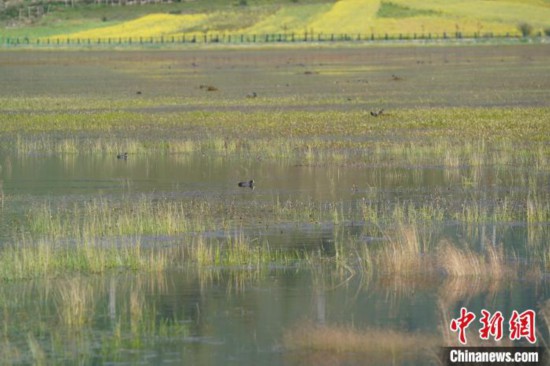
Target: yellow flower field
<point x="347" y="16"/>
<point x="352" y="17"/>
<point x="289" y="19"/>
<point x="438" y="25"/>
<point x="512" y="12"/>
<point x="152" y="25"/>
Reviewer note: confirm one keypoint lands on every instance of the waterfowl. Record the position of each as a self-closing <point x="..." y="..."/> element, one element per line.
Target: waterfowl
<point x="208" y="87"/>
<point x="122" y="156"/>
<point x="376" y="114"/>
<point x="249" y="184"/>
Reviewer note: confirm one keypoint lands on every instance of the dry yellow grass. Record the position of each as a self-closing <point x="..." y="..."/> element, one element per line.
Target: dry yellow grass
<point x="465" y="262"/>
<point x="378" y="344"/>
<point x="405" y="254"/>
<point x="401" y="255"/>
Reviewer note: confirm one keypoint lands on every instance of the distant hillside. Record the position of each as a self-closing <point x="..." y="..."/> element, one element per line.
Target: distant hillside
<point x="132" y="18"/>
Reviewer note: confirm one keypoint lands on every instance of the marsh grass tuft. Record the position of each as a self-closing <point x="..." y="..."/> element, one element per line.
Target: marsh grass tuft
<point x="237" y="250"/>
<point x="466" y="262"/>
<point x="401" y="254"/>
<point x="101" y="218"/>
<point x="28" y="259"/>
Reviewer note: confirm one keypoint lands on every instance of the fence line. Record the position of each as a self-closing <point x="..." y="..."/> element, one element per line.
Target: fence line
<point x="248" y="38"/>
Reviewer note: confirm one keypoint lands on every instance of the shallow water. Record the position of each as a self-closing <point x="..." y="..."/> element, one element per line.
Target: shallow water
<point x="240" y="315"/>
<point x="245" y="315"/>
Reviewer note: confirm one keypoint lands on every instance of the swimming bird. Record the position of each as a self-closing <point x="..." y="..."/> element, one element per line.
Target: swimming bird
<point x="376" y="114"/>
<point x="396" y="78"/>
<point x="249" y="184"/>
<point x="122" y="156"/>
<point x="208" y="87"/>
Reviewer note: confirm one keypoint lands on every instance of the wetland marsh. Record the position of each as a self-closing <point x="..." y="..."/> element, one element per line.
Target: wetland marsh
<point x="362" y="236"/>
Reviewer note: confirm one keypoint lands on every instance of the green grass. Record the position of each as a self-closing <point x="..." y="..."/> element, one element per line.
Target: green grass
<point x="448" y="138"/>
<point x="488" y="124"/>
<point x="41" y="258"/>
<point x="391" y="10"/>
<point x="237" y="251"/>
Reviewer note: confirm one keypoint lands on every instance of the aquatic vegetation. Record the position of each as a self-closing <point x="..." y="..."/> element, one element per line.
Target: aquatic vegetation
<point x="31" y="259"/>
<point x="401" y="255"/>
<point x="379" y="344"/>
<point x="65" y="309"/>
<point x="107" y="234"/>
<point x="466" y="262"/>
<point x="101" y="218"/>
<point x="405" y="253"/>
<point x="237" y="251"/>
<point x="351" y="215"/>
<point x="452" y="144"/>
<point x="75" y="302"/>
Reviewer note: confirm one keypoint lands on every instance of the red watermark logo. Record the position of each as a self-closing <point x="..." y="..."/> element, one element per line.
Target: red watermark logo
<point x="520" y="325"/>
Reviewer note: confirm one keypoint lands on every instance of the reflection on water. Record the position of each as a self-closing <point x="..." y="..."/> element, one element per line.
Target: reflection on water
<point x="243" y="315"/>
<point x="174" y="317"/>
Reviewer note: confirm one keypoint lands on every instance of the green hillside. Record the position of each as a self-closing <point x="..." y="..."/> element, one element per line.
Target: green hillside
<point x="125" y="18"/>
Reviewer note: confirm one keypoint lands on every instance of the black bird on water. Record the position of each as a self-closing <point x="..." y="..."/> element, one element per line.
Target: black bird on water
<point x="249" y="184"/>
<point x="123" y="156"/>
